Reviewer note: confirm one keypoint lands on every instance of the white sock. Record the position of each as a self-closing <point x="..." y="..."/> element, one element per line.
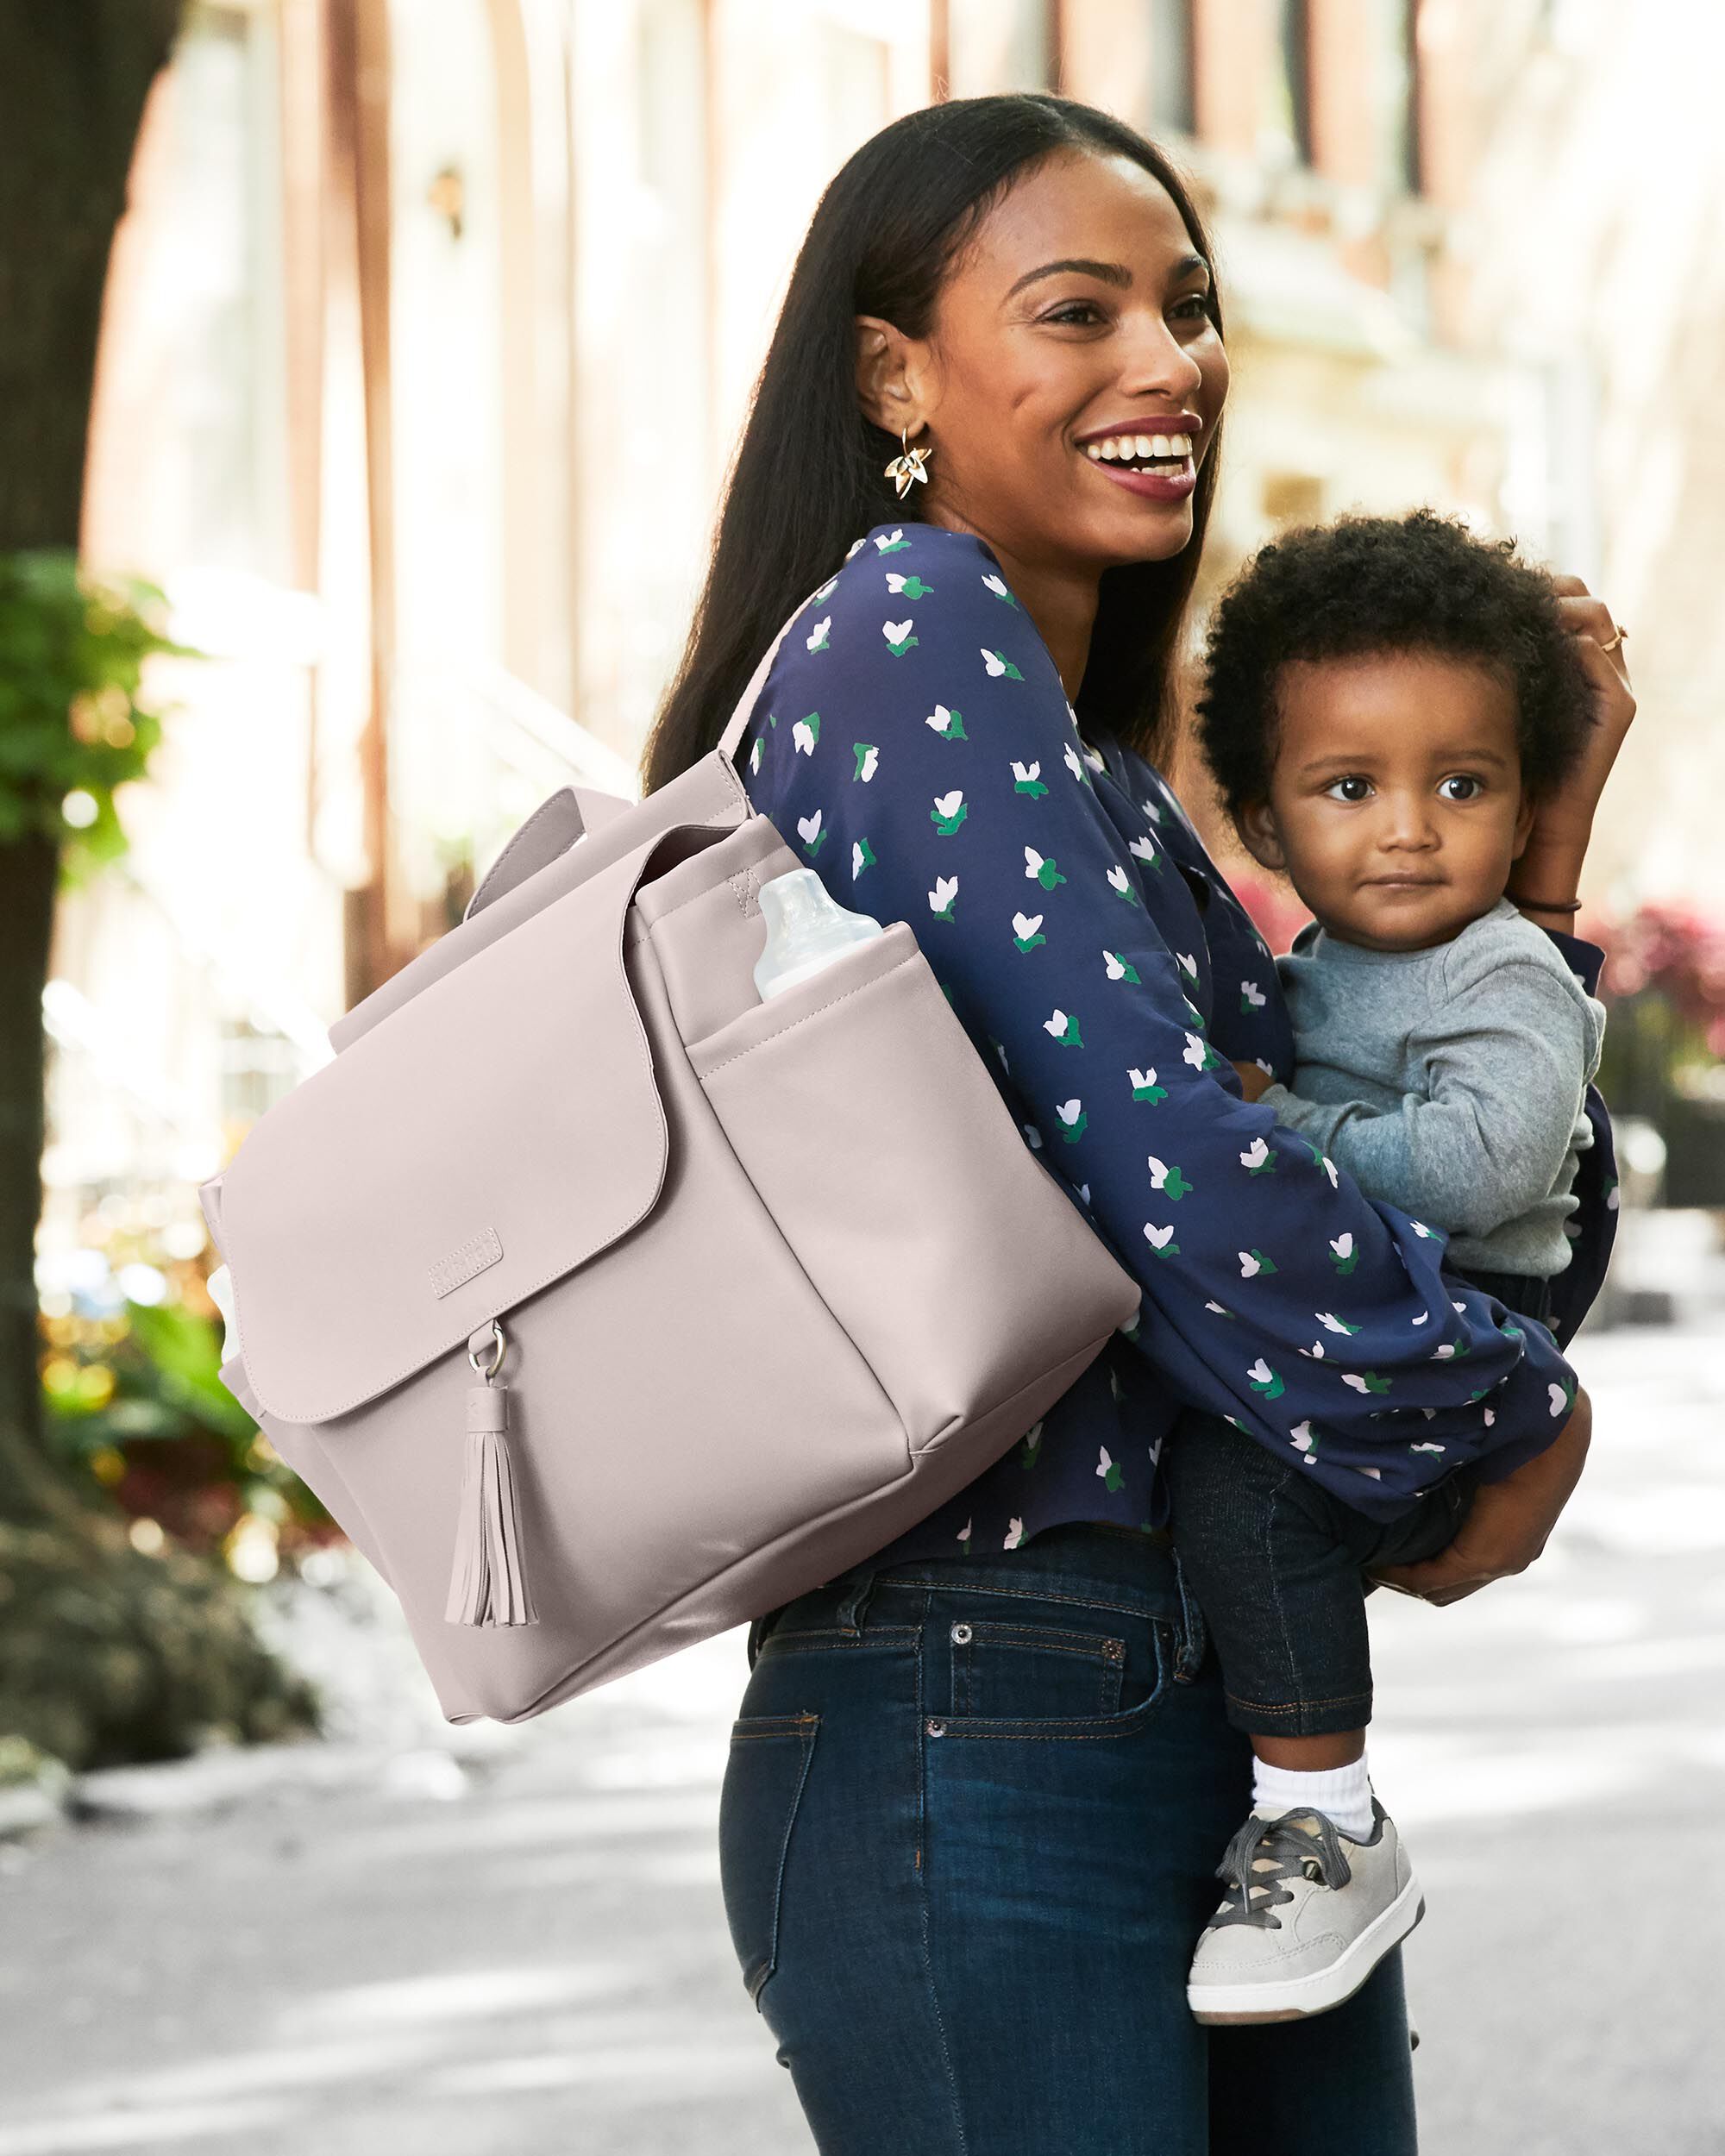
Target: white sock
<point x="1344" y="1793"/>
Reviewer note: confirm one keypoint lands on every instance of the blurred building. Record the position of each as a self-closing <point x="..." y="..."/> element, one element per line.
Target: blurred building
<point x="1592" y="255"/>
<point x="431" y="327"/>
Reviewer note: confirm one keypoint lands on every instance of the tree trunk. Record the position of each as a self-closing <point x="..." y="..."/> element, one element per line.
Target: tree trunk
<point x="105" y="1654"/>
<point x="74" y="79"/>
<point x="28" y="871"/>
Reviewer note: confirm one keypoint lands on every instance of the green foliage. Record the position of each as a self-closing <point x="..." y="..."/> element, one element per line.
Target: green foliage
<point x="73" y="649"/>
<point x="136" y="1400"/>
<point x="165" y="1365"/>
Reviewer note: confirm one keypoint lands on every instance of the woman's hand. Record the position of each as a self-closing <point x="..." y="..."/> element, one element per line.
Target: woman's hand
<point x="1508" y="1523"/>
<point x="1550" y="866"/>
<point x="1253" y="1079"/>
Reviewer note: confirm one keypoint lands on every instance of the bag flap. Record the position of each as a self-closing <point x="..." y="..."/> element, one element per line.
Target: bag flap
<point x="494" y="1131"/>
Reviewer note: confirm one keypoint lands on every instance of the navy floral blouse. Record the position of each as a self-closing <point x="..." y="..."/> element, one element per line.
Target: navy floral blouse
<point x="914" y="743"/>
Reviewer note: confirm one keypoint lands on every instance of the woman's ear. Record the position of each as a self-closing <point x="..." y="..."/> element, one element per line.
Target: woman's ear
<point x="888" y="376"/>
<point x="1255" y="821"/>
<point x="1524" y="823"/>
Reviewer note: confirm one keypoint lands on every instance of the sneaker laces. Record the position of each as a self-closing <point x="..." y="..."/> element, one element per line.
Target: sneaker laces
<point x="1285" y="1851"/>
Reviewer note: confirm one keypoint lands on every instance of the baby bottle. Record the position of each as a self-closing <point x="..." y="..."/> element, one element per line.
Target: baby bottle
<point x="221" y="1288"/>
<point x="805" y="930"/>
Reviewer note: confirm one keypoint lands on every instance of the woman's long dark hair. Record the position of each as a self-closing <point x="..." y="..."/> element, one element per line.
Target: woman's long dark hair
<point x="808" y="480"/>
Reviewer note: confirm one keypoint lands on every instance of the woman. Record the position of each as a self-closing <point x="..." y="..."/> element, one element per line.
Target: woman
<point x="980" y="1782"/>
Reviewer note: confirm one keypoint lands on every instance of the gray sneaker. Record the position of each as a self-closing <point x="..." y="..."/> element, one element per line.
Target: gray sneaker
<point x="1307" y="1916"/>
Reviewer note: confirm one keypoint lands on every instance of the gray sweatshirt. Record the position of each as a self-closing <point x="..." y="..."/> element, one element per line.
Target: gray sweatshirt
<point x="1449" y="1082"/>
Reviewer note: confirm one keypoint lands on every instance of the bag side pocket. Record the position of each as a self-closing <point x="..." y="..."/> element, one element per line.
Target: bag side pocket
<point x="957" y="1261"/>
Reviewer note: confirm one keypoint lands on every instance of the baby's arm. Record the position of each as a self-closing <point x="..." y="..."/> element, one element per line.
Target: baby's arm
<point x="1506" y="1058"/>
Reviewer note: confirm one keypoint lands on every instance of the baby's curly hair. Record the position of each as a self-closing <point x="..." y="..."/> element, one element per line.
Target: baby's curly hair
<point x="1363" y="586"/>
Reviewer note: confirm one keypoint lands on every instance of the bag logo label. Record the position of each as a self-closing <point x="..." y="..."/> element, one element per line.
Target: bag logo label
<point x="473" y="1256"/>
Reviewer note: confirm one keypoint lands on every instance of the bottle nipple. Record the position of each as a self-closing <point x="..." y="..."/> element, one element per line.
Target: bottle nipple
<point x="807" y="929"/>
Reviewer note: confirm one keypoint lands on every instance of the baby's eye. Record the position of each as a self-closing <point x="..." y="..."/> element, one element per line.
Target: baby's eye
<point x="1348" y="789"/>
<point x="1470" y="786"/>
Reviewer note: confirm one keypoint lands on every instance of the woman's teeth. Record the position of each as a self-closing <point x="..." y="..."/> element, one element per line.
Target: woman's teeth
<point x="1139" y="448"/>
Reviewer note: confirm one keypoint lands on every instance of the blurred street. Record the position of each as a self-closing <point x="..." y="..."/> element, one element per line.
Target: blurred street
<point x="466" y="1941"/>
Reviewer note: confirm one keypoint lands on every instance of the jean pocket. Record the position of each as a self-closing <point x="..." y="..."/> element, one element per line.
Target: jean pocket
<point x="1000" y="1667"/>
<point x="1092" y="1672"/>
<point x="764" y="1778"/>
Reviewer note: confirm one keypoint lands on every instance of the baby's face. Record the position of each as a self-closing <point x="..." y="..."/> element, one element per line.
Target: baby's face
<point x="1395" y="805"/>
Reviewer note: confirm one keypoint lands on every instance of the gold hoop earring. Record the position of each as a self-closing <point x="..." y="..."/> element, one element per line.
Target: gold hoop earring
<point x="907" y="467"/>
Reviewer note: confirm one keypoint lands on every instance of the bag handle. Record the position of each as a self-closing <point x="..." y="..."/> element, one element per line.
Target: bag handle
<point x="553" y="828"/>
<point x="573" y="811"/>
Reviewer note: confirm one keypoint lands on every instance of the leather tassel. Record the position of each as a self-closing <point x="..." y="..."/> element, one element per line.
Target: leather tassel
<point x="486" y="1583"/>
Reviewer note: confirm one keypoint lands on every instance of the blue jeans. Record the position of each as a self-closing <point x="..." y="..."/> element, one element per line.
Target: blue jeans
<point x="1277" y="1563"/>
<point x="967" y="1840"/>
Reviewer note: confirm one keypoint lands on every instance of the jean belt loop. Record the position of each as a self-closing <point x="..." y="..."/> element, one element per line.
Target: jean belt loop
<point x="854" y="1601"/>
<point x="1194" y="1637"/>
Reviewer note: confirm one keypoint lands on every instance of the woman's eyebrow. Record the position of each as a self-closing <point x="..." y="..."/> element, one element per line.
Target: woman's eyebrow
<point x="1109" y="272"/>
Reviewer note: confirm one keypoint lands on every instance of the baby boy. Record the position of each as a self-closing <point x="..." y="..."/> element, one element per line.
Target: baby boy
<point x="1386" y="702"/>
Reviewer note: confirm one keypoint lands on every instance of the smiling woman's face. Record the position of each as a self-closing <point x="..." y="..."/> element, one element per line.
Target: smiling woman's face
<point x="1072" y="336"/>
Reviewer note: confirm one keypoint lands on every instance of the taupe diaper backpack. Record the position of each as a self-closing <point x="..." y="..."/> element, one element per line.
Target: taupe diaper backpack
<point x="605" y="1305"/>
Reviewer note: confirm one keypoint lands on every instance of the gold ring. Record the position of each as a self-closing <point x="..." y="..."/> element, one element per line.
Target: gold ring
<point x="1614" y="641"/>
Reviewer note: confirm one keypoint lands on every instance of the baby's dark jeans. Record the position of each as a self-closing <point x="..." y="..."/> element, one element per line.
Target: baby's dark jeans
<point x="1277" y="1563"/>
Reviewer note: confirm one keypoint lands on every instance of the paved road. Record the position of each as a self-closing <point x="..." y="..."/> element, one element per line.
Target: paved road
<point x="518" y="1946"/>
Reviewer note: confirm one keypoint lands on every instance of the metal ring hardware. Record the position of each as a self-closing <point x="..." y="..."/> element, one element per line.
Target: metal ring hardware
<point x="497" y="1358"/>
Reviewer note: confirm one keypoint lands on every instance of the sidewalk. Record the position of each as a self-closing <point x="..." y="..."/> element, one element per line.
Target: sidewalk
<point x="454" y="1942"/>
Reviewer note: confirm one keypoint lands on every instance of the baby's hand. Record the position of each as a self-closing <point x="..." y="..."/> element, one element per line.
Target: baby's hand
<point x="1253" y="1079"/>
